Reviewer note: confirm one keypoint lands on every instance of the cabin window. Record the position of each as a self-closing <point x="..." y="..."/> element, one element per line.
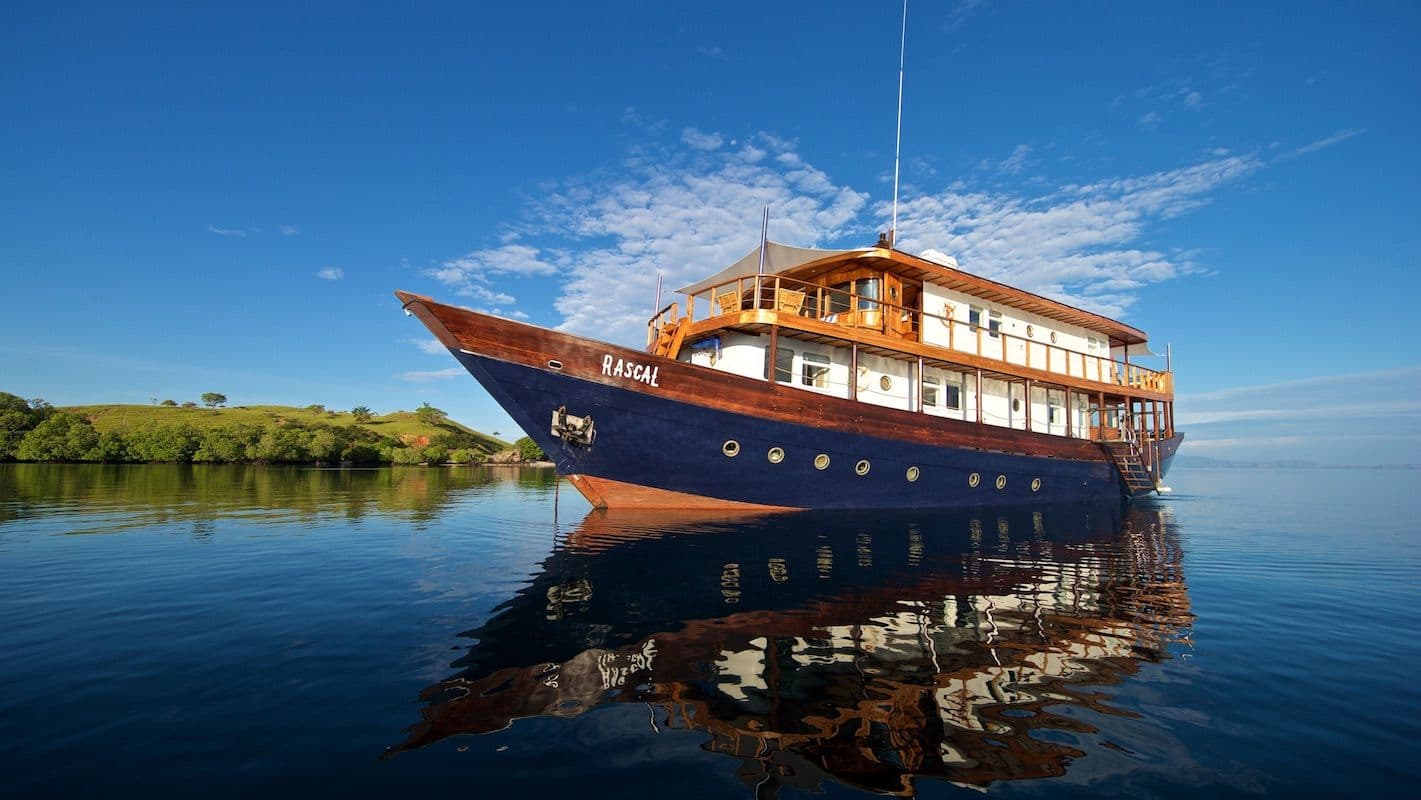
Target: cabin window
<point x="866" y="289"/>
<point x="994" y="324"/>
<point x="1091" y="344"/>
<point x="784" y="365"/>
<point x="974" y="317"/>
<point x="932" y="388"/>
<point x="952" y="394"/>
<point x="815" y="370"/>
<point x="1054" y="411"/>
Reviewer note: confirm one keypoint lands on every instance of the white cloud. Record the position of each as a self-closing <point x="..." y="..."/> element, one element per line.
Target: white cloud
<point x="331" y="274"/>
<point x="233" y="232"/>
<point x="1193" y="100"/>
<point x="1367" y="418"/>
<point x="1014" y="163"/>
<point x="1327" y="141"/>
<point x="1149" y="119"/>
<point x="288" y="230"/>
<point x="1076" y="245"/>
<point x="686" y="212"/>
<point x="431" y="346"/>
<point x="701" y="140"/>
<point x="961" y="13"/>
<point x="419" y="376"/>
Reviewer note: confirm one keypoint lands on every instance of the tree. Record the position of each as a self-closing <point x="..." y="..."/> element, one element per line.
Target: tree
<point x="362" y="414"/>
<point x="170" y="403"/>
<point x="463" y="455"/>
<point x="529" y="449"/>
<point x="213" y="399"/>
<point x="13" y="427"/>
<point x="430" y="415"/>
<point x="325" y="445"/>
<point x="62" y="437"/>
<point x="189" y="404"/>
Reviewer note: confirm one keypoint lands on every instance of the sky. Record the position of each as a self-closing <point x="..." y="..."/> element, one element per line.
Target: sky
<point x="206" y="197"/>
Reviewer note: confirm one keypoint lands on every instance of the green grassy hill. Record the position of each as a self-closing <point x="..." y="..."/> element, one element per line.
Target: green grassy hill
<point x="400" y="424"/>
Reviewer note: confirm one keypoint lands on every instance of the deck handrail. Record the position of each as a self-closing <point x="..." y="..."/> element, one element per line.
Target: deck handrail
<point x="751" y="291"/>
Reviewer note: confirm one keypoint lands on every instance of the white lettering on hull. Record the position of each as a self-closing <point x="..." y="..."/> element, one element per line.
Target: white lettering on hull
<point x="630" y="370"/>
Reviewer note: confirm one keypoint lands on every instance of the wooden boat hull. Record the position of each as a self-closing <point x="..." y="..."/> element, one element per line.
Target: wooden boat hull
<point x="673" y="435"/>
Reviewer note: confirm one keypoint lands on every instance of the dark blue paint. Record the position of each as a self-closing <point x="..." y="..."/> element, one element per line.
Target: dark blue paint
<point x="648" y="440"/>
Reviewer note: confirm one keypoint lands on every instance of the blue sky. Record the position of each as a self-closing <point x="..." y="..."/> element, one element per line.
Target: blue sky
<point x="222" y="197"/>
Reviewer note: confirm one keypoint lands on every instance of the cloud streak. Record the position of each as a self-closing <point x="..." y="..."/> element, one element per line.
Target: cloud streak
<point x="331" y="274"/>
<point x="426" y="376"/>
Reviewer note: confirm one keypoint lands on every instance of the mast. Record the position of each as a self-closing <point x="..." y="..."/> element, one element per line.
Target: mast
<point x="898" y="142"/>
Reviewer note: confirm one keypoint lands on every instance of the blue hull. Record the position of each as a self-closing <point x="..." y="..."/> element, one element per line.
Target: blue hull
<point x="646" y="440"/>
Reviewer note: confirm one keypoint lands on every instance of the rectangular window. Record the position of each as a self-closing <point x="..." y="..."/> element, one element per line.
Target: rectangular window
<point x="1054" y="412"/>
<point x="953" y="393"/>
<point x="1091" y="343"/>
<point x="994" y="324"/>
<point x="815" y="371"/>
<point x="974" y="317"/>
<point x="784" y="365"/>
<point x="931" y="388"/>
<point x="838" y="298"/>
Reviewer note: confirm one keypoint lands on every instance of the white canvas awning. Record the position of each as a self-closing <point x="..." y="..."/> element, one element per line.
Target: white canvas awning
<point x="1141" y="349"/>
<point x="778" y="258"/>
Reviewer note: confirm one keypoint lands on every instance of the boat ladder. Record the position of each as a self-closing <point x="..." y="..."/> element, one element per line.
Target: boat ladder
<point x="1130" y="459"/>
<point x="669" y="338"/>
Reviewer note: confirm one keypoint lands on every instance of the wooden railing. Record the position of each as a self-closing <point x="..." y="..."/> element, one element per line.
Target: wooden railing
<point x="834" y="306"/>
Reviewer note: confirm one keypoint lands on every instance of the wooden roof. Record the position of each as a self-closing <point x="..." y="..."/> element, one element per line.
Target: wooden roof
<point x="920" y="269"/>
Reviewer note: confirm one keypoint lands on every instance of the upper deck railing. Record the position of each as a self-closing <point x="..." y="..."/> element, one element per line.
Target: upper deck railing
<point x="864" y="313"/>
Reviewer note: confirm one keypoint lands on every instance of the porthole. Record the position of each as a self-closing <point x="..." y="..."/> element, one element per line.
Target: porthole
<point x="1016" y="404"/>
<point x="1035" y="484"/>
<point x="731" y="448"/>
<point x="821" y="461"/>
<point x="913" y="474"/>
<point x="885" y="383"/>
<point x="862" y="467"/>
<point x="1030" y="332"/>
<point x="1001" y="481"/>
<point x="1053" y="337"/>
<point x="776" y="455"/>
<point x="973" y="480"/>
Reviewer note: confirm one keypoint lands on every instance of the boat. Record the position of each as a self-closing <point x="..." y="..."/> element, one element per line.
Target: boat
<point x="802" y="378"/>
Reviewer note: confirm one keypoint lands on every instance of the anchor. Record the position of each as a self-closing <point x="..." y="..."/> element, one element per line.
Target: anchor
<point x="573" y="429"/>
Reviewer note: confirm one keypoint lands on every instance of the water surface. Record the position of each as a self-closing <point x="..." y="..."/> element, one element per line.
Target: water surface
<point x="226" y="630"/>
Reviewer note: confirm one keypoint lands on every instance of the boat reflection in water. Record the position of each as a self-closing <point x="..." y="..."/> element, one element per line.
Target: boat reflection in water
<point x="869" y="650"/>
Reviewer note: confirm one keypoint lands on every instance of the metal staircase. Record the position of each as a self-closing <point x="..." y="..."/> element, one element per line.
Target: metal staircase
<point x="1130" y="459"/>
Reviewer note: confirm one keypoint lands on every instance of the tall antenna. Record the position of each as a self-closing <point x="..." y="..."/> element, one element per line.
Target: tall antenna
<point x="898" y="144"/>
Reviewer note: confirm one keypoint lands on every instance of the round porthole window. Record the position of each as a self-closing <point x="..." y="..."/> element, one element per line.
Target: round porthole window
<point x="1001" y="481"/>
<point x="913" y="474"/>
<point x="821" y="461"/>
<point x="731" y="448"/>
<point x="776" y="455"/>
<point x="973" y="480"/>
<point x="1035" y="484"/>
<point x="1030" y="332"/>
<point x="861" y="467"/>
<point x="1016" y="404"/>
<point x="885" y="383"/>
<point x="1053" y="337"/>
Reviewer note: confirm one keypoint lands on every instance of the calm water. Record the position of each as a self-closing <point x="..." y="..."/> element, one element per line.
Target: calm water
<point x="224" y="631"/>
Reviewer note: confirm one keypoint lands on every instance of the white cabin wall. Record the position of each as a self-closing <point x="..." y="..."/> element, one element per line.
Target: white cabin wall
<point x="872" y="370"/>
<point x="1014" y="322"/>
